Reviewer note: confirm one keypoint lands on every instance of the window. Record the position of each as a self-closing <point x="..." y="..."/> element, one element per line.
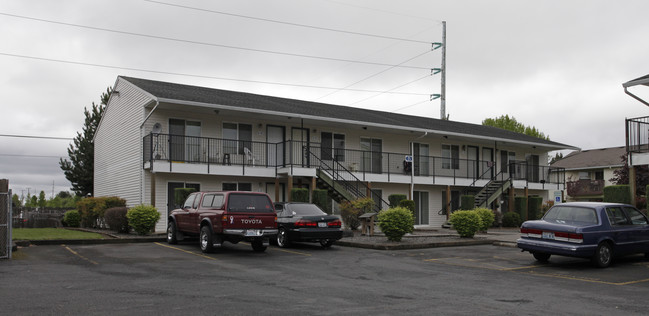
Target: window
<point x="584" y="175"/>
<point x="616" y="216"/>
<point x="237" y="136"/>
<point x="450" y="157"/>
<point x="237" y="186"/>
<point x="332" y="146"/>
<point x="213" y="200"/>
<point x="190" y="201"/>
<point x="579" y="216"/>
<point x="250" y="203"/>
<point x="506" y="157"/>
<point x="636" y="217"/>
<point x="599" y="175"/>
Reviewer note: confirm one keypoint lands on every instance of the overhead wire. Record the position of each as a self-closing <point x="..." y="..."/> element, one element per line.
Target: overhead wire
<point x="288" y="23"/>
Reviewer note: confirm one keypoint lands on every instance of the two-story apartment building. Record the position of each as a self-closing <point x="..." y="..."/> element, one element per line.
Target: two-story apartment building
<point x="157" y="136"/>
<point x="589" y="171"/>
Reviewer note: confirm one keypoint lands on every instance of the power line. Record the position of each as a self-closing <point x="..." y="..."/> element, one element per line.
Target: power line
<point x="288" y="23"/>
<point x="208" y="44"/>
<point x="36" y="137"/>
<point x="197" y="76"/>
<point x="388" y="91"/>
<point x="30" y="156"/>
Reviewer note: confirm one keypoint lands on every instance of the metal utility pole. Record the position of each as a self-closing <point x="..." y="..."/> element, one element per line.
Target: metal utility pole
<point x="442" y="109"/>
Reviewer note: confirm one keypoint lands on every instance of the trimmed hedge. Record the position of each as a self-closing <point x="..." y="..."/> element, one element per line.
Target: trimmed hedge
<point x="396" y="222"/>
<point x="466" y="223"/>
<point x="519" y="206"/>
<point x="511" y="219"/>
<point x="534" y="204"/>
<point x="300" y="195"/>
<point x="143" y="218"/>
<point x="321" y="199"/>
<point x="618" y="194"/>
<point x="408" y="204"/>
<point x="92" y="209"/>
<point x="116" y="219"/>
<point x="395" y="199"/>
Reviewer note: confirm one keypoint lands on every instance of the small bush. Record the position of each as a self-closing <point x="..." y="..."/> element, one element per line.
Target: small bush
<point x="396" y="222"/>
<point x="466" y="223"/>
<point x="143" y="218"/>
<point x="115" y="218"/>
<point x="408" y="204"/>
<point x="511" y="219"/>
<point x="92" y="209"/>
<point x="72" y="218"/>
<point x="395" y="199"/>
<point x="300" y="195"/>
<point x="487" y="218"/>
<point x="350" y="211"/>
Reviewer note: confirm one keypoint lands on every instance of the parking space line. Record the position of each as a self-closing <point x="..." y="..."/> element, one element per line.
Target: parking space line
<point x="185" y="251"/>
<point x="294" y="252"/>
<point x="78" y="255"/>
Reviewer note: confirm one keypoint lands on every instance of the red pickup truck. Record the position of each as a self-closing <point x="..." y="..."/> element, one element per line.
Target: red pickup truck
<point x="224" y="216"/>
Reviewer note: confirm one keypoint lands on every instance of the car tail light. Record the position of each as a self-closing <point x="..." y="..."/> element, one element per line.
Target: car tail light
<point x="336" y="223"/>
<point x="305" y="223"/>
<point x="529" y="232"/>
<point x="569" y="237"/>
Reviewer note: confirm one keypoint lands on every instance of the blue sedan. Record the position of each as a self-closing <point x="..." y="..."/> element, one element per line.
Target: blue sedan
<point x="596" y="230"/>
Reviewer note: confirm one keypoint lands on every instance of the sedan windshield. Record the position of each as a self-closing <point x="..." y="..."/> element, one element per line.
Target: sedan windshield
<point x="579" y="216"/>
<point x="306" y="209"/>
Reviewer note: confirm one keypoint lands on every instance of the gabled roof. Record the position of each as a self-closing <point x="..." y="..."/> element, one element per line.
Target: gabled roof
<point x="592" y="159"/>
<point x="186" y="94"/>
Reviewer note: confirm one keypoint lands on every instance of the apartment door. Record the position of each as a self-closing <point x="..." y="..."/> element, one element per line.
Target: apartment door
<point x="171" y="196"/>
<point x="488" y="157"/>
<point x="275" y="147"/>
<point x="473" y="161"/>
<point x="184" y="140"/>
<point x="421" y="208"/>
<point x="421" y="156"/>
<point x="372" y="155"/>
<point x="300" y="146"/>
<point x="532" y="168"/>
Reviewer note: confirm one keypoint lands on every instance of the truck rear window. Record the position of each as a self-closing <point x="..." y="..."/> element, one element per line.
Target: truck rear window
<point x="249" y="203"/>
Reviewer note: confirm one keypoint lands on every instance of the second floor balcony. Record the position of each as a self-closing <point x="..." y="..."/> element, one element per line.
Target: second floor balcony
<point x="364" y="164"/>
<point x="585" y="187"/>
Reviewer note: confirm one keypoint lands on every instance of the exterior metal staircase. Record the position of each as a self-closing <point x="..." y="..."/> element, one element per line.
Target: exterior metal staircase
<point x="491" y="191"/>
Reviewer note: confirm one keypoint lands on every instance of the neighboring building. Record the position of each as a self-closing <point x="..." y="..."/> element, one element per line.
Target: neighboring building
<point x="637" y="134"/>
<point x="589" y="171"/>
<point x="156" y="136"/>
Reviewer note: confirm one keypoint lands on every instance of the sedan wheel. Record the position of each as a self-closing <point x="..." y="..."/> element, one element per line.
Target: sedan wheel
<point x="603" y="255"/>
<point x="326" y="243"/>
<point x="206" y="240"/>
<point x="282" y="238"/>
<point x="541" y="257"/>
<point x="171" y="233"/>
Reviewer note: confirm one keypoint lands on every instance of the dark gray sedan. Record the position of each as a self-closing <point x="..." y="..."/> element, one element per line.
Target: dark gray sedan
<point x="306" y="222"/>
<point x="596" y="230"/>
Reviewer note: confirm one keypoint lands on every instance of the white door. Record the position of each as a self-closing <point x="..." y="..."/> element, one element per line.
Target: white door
<point x="275" y="147"/>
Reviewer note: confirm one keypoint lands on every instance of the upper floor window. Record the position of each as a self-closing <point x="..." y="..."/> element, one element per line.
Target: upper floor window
<point x="450" y="157"/>
<point x="332" y="146"/>
<point x="237" y="137"/>
<point x="584" y="175"/>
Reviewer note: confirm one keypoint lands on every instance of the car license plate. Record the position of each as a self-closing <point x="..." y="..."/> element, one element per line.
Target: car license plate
<point x="548" y="235"/>
<point x="253" y="232"/>
<point x="322" y="224"/>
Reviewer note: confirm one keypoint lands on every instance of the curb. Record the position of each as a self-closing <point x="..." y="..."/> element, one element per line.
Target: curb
<point x="385" y="246"/>
<point x="27" y="243"/>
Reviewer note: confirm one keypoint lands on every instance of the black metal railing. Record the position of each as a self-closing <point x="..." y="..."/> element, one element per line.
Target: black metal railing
<point x="637" y="134"/>
<point x="360" y="163"/>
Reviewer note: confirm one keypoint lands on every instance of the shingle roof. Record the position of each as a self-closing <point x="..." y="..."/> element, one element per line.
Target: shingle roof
<point x="585" y="159"/>
<point x="187" y="93"/>
<point x="644" y="80"/>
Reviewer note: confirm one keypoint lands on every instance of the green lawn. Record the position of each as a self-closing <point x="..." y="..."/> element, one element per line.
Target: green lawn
<point x="51" y="233"/>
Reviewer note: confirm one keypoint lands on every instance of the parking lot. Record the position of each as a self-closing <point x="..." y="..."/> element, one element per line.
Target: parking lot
<point x="156" y="278"/>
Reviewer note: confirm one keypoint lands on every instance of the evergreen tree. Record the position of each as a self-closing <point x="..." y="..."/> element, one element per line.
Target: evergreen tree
<point x="511" y="124"/>
<point x="41" y="199"/>
<point x="79" y="170"/>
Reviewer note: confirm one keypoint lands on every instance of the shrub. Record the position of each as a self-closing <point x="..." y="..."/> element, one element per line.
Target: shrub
<point x="92" y="209"/>
<point x="396" y="222"/>
<point x="115" y="218"/>
<point x="467" y="202"/>
<point x="466" y="223"/>
<point x="534" y="204"/>
<point x="617" y="194"/>
<point x="143" y="218"/>
<point x="72" y="218"/>
<point x="300" y="195"/>
<point x="487" y="218"/>
<point x="321" y="199"/>
<point x="350" y="211"/>
<point x="511" y="219"/>
<point x="408" y="204"/>
<point x="520" y="206"/>
<point x="395" y="199"/>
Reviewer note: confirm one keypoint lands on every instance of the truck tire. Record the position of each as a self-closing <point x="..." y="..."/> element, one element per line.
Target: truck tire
<point x="171" y="233"/>
<point x="258" y="245"/>
<point x="206" y="239"/>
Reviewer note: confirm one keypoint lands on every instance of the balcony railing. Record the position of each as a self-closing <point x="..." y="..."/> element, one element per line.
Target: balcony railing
<point x="295" y="154"/>
<point x="637" y="134"/>
<point x="585" y="187"/>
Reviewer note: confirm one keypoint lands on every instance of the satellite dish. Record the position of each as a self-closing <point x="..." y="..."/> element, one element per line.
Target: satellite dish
<point x="157" y="128"/>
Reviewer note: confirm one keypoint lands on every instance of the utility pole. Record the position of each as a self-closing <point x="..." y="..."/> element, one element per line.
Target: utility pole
<point x="443" y="92"/>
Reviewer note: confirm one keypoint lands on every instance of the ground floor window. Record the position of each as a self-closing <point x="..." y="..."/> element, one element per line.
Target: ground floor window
<point x="233" y="186"/>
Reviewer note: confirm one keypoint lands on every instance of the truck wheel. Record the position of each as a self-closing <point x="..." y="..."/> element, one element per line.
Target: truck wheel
<point x="171" y="233"/>
<point x="206" y="239"/>
<point x="282" y="238"/>
<point x="258" y="245"/>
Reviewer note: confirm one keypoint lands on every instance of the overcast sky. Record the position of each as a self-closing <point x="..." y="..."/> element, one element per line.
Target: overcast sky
<point x="555" y="65"/>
